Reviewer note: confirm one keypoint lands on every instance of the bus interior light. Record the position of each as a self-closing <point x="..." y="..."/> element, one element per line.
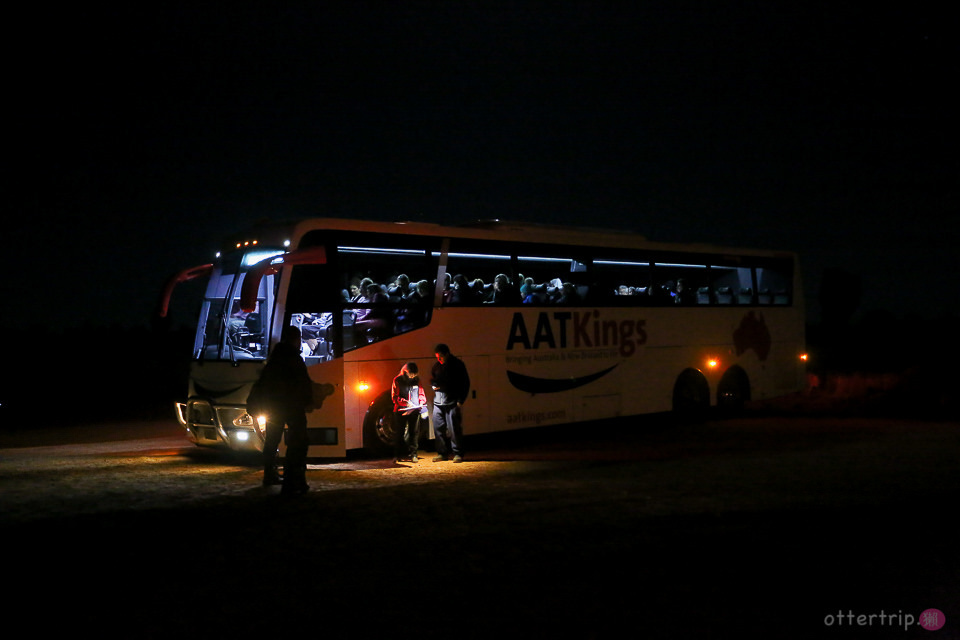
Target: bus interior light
<point x="381" y="250"/>
<point x="254" y="257"/>
<point x="363" y="385"/>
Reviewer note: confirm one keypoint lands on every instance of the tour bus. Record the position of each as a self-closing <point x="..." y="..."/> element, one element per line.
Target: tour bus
<point x="556" y="325"/>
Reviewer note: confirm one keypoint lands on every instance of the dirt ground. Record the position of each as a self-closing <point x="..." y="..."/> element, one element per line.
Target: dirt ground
<point x="767" y="525"/>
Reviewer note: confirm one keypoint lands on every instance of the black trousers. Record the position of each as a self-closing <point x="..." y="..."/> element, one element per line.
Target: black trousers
<point x="295" y="461"/>
<point x="408" y="433"/>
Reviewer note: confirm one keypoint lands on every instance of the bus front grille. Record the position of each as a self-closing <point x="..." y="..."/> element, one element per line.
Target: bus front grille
<point x="202" y="421"/>
<point x="200" y="413"/>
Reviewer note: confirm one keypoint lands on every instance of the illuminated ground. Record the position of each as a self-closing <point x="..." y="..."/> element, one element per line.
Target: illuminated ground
<point x="754" y="527"/>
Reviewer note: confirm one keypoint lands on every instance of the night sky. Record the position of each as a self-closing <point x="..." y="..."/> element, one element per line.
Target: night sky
<point x="143" y="135"/>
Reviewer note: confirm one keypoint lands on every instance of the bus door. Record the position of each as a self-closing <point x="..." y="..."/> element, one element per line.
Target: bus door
<point x="326" y="425"/>
<point x="355" y="404"/>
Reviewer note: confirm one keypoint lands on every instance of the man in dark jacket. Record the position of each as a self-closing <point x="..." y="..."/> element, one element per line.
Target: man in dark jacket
<point x="284" y="393"/>
<point x="451" y="384"/>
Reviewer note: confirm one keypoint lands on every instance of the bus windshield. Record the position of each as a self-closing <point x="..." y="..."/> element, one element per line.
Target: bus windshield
<point x="225" y="331"/>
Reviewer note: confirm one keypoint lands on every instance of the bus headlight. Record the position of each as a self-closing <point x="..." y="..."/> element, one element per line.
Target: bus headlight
<point x="247" y="421"/>
<point x="244" y="420"/>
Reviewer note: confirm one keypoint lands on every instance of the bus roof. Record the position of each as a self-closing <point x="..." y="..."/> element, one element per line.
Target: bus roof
<point x="492" y="230"/>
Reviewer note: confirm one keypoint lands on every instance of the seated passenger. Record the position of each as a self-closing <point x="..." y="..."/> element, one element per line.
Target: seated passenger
<point x="681" y="294"/>
<point x="504" y="292"/>
<point x="480" y="291"/>
<point x="363" y="296"/>
<point x="354" y="293"/>
<point x="416" y="309"/>
<point x="399" y="288"/>
<point x="459" y="291"/>
<point x="552" y="291"/>
<point x="315" y="330"/>
<point x="375" y="319"/>
<point x="528" y="292"/>
<point x="242" y="322"/>
<point x="568" y="295"/>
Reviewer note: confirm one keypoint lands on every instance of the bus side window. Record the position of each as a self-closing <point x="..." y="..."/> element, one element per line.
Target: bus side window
<point x="773" y="286"/>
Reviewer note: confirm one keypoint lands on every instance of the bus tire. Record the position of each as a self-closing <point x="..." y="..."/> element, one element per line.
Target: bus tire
<point x="378" y="429"/>
<point x="691" y="396"/>
<point x="733" y="391"/>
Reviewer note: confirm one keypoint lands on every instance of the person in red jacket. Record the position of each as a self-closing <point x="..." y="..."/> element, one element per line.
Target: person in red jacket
<point x="409" y="406"/>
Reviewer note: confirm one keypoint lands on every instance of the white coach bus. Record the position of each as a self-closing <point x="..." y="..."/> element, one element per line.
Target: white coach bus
<point x="556" y="325"/>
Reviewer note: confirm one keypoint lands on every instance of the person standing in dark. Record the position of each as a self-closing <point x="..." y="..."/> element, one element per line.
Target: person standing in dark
<point x="284" y="393"/>
<point x="409" y="406"/>
<point x="451" y="384"/>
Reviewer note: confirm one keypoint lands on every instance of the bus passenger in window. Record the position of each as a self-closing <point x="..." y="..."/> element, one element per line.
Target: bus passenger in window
<point x="423" y="293"/>
<point x="451" y="385"/>
<point x="568" y="294"/>
<point x="528" y="292"/>
<point x="447" y="289"/>
<point x="241" y="321"/>
<point x="354" y="295"/>
<point x="681" y="294"/>
<point x="504" y="292"/>
<point x="459" y="290"/>
<point x="399" y="289"/>
<point x="480" y="290"/>
<point x="373" y="320"/>
<point x="316" y="328"/>
<point x="364" y="296"/>
<point x="409" y="407"/>
<point x="416" y="309"/>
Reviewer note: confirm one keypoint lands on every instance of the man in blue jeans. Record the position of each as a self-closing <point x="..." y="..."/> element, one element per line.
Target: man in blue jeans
<point x="451" y="384"/>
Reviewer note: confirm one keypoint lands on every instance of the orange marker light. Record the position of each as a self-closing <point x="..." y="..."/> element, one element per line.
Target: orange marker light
<point x="713" y="363"/>
<point x="362" y="386"/>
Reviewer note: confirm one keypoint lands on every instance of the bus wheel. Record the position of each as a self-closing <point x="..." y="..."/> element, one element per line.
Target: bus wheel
<point x="691" y="396"/>
<point x="379" y="433"/>
<point x="733" y="390"/>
